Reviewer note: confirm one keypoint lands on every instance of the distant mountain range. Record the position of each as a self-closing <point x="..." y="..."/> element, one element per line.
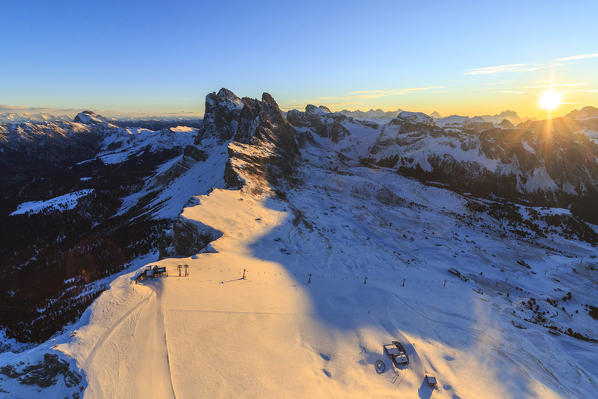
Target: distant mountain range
<point x="18" y="114"/>
<point x="371" y="114"/>
<point x="447" y="121"/>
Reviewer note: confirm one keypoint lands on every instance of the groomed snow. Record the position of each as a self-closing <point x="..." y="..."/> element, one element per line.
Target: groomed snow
<point x="215" y="335"/>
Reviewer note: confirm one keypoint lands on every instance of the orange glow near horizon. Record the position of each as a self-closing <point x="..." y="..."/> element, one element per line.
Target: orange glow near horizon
<point x="538" y="101"/>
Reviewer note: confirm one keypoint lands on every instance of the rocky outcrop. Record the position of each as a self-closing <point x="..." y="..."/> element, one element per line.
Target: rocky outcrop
<point x="188" y="238"/>
<point x="90" y="118"/>
<point x="262" y="145"/>
<point x="221" y="115"/>
<point x="321" y="121"/>
<point x="416" y="117"/>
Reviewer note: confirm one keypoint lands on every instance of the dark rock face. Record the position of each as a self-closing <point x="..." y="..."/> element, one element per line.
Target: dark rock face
<point x="228" y="117"/>
<point x="89" y="118"/>
<point x="231" y="177"/>
<point x="195" y="153"/>
<point x="190" y="237"/>
<point x="45" y="374"/>
<point x="261" y="139"/>
<point x="222" y="110"/>
<point x="320" y="121"/>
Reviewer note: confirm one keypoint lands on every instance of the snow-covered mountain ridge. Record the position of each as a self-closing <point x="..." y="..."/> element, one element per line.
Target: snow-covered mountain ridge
<point x="136" y="183"/>
<point x="543" y="162"/>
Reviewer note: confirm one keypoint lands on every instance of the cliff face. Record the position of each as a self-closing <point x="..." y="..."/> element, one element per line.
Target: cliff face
<point x="262" y="145"/>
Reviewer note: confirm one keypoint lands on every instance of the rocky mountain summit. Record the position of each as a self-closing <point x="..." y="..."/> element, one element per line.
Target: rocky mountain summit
<point x="261" y="142"/>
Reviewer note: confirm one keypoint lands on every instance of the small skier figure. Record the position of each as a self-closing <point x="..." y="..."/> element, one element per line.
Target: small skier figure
<point x="365" y="279"/>
<point x="186" y="270"/>
<point x="244" y="274"/>
<point x="309" y="279"/>
<point x="179" y="266"/>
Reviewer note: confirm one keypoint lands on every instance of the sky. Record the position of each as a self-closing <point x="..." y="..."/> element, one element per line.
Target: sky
<point x="158" y="57"/>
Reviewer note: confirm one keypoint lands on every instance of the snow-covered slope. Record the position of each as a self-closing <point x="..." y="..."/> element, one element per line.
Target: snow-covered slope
<point x="62" y="202"/>
<point x="78" y="200"/>
<point x="551" y="164"/>
<point x="213" y="334"/>
<point x="340" y="257"/>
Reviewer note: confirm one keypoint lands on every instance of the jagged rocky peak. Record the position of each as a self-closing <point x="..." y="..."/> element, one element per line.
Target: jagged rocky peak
<point x="225" y="98"/>
<point x="268" y="99"/>
<point x="415" y="117"/>
<point x="319" y="110"/>
<point x="506" y="124"/>
<point x="584" y="113"/>
<point x="229" y="117"/>
<point x="89" y="118"/>
<point x="271" y="110"/>
<point x="262" y="144"/>
<point x="320" y="121"/>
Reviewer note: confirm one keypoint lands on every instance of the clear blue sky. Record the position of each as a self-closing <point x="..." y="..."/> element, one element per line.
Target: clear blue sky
<point x="159" y="56"/>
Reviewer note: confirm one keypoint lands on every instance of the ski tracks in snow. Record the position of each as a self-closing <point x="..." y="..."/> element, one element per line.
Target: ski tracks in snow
<point x="137" y="335"/>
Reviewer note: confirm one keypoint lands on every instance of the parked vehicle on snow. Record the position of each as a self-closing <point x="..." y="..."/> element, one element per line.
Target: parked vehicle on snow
<point x="431" y="380"/>
<point x="150" y="272"/>
<point x="396" y="352"/>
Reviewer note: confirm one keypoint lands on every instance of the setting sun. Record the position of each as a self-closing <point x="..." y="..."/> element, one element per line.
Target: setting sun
<point x="550" y="100"/>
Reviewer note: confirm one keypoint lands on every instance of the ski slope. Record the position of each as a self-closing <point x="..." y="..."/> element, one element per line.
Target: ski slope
<point x="213" y="334"/>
